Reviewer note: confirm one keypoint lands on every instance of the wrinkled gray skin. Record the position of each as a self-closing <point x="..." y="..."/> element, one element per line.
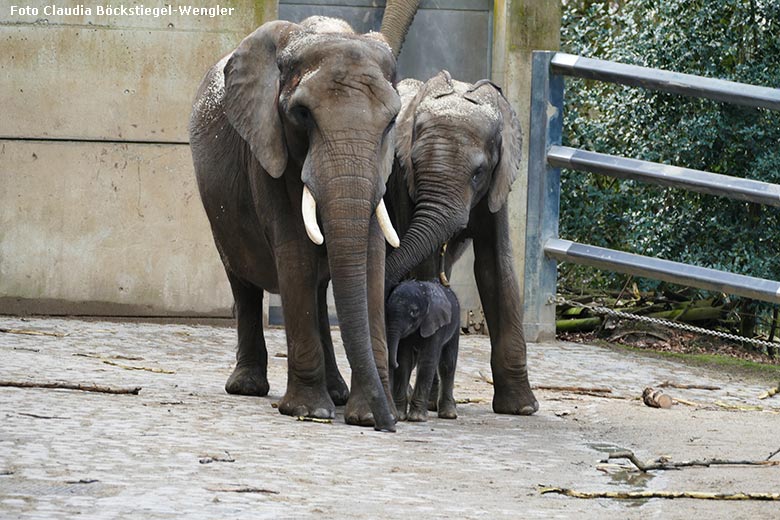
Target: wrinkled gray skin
<point x="458" y="150"/>
<point x="309" y="104"/>
<point x="423" y="329"/>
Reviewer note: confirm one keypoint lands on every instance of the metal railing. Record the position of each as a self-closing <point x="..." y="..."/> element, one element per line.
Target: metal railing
<point x="546" y="157"/>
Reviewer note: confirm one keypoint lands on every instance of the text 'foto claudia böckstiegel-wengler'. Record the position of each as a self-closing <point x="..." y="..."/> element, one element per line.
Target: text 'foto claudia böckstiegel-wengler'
<point x="121" y="10"/>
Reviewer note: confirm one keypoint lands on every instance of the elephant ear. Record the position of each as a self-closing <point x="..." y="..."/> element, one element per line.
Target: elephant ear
<point x="439" y="310"/>
<point x="410" y="91"/>
<point x="511" y="151"/>
<point x="413" y="93"/>
<point x="252" y="95"/>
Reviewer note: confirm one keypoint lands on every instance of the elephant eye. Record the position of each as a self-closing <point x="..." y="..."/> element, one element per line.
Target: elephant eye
<point x="301" y="115"/>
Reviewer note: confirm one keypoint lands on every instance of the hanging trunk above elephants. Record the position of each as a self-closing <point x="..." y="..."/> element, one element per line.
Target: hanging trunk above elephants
<point x="396" y="21"/>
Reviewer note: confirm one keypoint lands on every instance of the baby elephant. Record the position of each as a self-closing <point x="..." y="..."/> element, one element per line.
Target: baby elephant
<point x="423" y="322"/>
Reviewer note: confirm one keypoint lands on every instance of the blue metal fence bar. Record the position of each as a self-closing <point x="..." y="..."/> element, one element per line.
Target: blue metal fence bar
<point x="665" y="175"/>
<point x="656" y="268"/>
<point x="675" y="82"/>
<point x="543" y="199"/>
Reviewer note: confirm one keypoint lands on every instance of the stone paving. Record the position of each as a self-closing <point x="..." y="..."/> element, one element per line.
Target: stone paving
<point x="183" y="448"/>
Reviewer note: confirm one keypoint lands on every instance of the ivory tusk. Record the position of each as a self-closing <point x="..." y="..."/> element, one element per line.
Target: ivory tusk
<point x="309" y="211"/>
<point x="387" y="227"/>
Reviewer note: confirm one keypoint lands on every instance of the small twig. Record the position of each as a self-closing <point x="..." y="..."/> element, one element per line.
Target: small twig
<point x="29" y="332"/>
<point x="742" y="408"/>
<point x="665" y="465"/>
<point x="209" y="459"/>
<point x="574" y="389"/>
<point x="6" y="472"/>
<point x="685" y="402"/>
<point x="469" y="400"/>
<point x="632" y="495"/>
<point x="315" y="420"/>
<point x="28" y="349"/>
<point x="486" y="378"/>
<point x="773" y="454"/>
<point x="670" y="384"/>
<point x="147" y="369"/>
<point x="82" y="481"/>
<point x="71" y="386"/>
<point x="115" y="356"/>
<point x="36" y="416"/>
<point x="243" y="489"/>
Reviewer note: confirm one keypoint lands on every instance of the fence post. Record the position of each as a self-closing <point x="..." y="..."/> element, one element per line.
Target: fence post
<point x="543" y="199"/>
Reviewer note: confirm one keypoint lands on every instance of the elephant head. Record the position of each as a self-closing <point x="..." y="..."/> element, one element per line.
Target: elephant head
<point x="457" y="145"/>
<point x="415" y="306"/>
<point x="316" y="105"/>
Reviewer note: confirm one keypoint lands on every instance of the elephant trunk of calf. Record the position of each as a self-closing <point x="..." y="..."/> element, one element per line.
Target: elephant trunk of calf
<point x="346" y="224"/>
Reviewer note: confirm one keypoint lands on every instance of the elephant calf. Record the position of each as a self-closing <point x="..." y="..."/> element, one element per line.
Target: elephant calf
<point x="423" y="322"/>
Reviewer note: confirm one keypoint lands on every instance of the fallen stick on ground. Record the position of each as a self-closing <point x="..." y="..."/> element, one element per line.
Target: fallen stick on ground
<point x="685" y="402"/>
<point x="29" y="332"/>
<point x="740" y="407"/>
<point x="770" y="392"/>
<point x="243" y="489"/>
<point x="129" y="367"/>
<point x="632" y="495"/>
<point x="574" y="389"/>
<point x="315" y="420"/>
<point x="664" y="465"/>
<point x="670" y="384"/>
<point x="71" y="386"/>
<point x="486" y="378"/>
<point x="773" y="454"/>
<point x="469" y="400"/>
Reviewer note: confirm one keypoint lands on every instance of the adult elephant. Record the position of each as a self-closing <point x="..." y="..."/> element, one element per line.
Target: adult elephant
<point x="298" y="121"/>
<point x="458" y="149"/>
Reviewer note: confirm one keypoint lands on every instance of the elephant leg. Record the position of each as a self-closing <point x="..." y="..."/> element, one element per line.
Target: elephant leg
<point x="447" y="363"/>
<point x="307" y="392"/>
<point x="499" y="293"/>
<point x="337" y="388"/>
<point x="249" y="376"/>
<point x="433" y="397"/>
<point x="358" y="410"/>
<point x="426" y="369"/>
<point x="401" y="377"/>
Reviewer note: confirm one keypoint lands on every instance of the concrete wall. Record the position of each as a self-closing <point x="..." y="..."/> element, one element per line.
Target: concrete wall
<point x="520" y="27"/>
<point x="99" y="212"/>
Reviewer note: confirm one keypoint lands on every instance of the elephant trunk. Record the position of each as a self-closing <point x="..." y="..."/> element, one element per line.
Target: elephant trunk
<point x="393" y="339"/>
<point x="346" y="223"/>
<point x="431" y="226"/>
<point x="396" y="21"/>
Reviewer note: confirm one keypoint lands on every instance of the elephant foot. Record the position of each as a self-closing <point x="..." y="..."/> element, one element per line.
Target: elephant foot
<point x="247" y="380"/>
<point x="359" y="413"/>
<point x="307" y="402"/>
<point x="338" y="390"/>
<point x="447" y="410"/>
<point x="418" y="414"/>
<point x="517" y="399"/>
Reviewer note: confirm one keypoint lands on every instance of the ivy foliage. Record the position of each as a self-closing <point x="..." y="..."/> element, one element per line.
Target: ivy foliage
<point x="737" y="40"/>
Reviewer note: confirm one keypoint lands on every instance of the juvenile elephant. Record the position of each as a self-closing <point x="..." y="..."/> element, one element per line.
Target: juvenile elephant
<point x="423" y="329"/>
<point x="296" y="123"/>
<point x="458" y="149"/>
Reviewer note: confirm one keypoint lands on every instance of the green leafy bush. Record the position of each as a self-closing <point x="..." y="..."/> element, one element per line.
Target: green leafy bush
<point x="738" y="40"/>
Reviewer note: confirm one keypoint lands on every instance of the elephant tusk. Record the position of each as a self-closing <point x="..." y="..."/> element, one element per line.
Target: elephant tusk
<point x="387" y="227"/>
<point x="309" y="211"/>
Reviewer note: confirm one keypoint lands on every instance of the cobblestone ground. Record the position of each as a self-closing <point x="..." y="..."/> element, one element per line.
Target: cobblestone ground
<point x="183" y="448"/>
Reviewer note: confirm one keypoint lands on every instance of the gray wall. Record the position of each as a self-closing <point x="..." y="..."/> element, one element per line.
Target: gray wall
<point x="99" y="213"/>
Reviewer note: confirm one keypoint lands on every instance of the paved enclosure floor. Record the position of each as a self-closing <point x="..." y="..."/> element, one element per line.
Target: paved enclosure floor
<point x="182" y="448"/>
